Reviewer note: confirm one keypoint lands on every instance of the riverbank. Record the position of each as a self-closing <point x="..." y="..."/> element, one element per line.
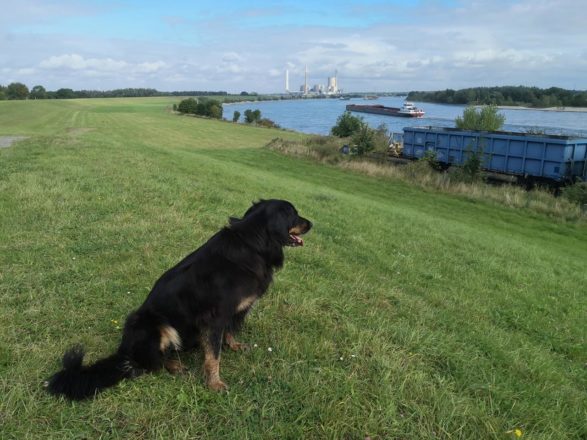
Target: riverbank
<point x="420" y="174"/>
<point x="545" y="109"/>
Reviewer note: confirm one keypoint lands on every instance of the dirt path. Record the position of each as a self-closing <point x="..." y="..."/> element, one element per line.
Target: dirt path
<point x="7" y="141"/>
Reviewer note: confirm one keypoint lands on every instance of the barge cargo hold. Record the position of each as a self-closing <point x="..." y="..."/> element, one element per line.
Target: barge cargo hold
<point x="558" y="158"/>
<point x="408" y="110"/>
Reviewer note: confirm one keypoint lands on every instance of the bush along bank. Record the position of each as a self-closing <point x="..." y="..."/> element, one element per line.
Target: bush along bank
<point x="466" y="181"/>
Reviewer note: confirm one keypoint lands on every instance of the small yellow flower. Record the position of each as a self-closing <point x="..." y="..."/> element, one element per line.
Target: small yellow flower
<point x="518" y="432"/>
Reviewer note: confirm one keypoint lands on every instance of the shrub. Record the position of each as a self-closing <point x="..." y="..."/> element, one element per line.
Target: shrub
<point x="267" y="123"/>
<point x="381" y="139"/>
<point x="346" y="125"/>
<point x="576" y="193"/>
<point x="431" y="159"/>
<point x="486" y="118"/>
<point x="363" y="139"/>
<point x="236" y="116"/>
<point x="472" y="164"/>
<point x="205" y="107"/>
<point x="325" y="147"/>
<point x="213" y="109"/>
<point x="187" y="106"/>
<point x="252" y="116"/>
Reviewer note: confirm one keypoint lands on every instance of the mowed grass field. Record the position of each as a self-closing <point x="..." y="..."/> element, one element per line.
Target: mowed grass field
<point x="407" y="315"/>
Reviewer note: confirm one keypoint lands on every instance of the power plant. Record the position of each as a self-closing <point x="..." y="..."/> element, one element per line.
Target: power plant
<point x="317" y="89"/>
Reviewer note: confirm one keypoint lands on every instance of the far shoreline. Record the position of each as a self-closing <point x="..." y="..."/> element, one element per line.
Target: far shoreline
<point x="544" y="109"/>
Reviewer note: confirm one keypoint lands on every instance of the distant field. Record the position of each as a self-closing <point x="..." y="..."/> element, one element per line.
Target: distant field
<point x="408" y="314"/>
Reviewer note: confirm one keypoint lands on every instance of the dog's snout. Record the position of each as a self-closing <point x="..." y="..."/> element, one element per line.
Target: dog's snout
<point x="307" y="224"/>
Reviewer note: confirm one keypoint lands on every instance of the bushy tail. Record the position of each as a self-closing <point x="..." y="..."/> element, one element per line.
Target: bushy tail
<point x="77" y="382"/>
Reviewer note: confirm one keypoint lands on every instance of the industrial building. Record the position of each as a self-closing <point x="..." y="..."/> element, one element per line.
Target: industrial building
<point x="317" y="89"/>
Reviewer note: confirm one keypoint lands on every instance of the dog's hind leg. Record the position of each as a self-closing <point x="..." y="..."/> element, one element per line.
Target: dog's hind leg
<point x="174" y="366"/>
<point x="211" y="343"/>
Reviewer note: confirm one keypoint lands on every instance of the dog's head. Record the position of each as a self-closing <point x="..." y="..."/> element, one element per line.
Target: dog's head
<point x="278" y="219"/>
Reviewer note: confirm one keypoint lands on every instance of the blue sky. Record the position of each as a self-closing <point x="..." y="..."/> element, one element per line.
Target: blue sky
<point x="232" y="45"/>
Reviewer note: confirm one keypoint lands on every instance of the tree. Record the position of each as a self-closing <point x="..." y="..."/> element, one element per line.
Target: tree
<point x="17" y="90"/>
<point x="187" y="106"/>
<point x="364" y="139"/>
<point x="65" y="94"/>
<point x="381" y="138"/>
<point x="252" y="116"/>
<point x="346" y="125"/>
<point x="2" y="93"/>
<point x="236" y="116"/>
<point x="38" y="92"/>
<point x="212" y="109"/>
<point x="486" y="118"/>
<point x="205" y="107"/>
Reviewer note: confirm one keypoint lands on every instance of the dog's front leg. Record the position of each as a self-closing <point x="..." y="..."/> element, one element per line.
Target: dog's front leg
<point x="212" y="343"/>
<point x="234" y="326"/>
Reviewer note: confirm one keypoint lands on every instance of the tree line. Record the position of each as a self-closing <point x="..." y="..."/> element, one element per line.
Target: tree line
<point x="506" y="95"/>
<point x="212" y="108"/>
<point x="17" y="90"/>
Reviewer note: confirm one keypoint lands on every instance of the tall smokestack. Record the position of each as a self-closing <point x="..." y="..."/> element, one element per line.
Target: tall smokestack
<point x="306" y="80"/>
<point x="287" y="80"/>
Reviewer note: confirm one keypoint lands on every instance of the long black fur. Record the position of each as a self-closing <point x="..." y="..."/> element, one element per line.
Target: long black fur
<point x="199" y="298"/>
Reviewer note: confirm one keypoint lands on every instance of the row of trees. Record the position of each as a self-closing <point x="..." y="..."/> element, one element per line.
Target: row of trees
<point x="212" y="108"/>
<point x="18" y="90"/>
<point x="508" y="95"/>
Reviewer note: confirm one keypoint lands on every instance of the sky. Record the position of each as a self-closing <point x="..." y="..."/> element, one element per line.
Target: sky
<point x="236" y="46"/>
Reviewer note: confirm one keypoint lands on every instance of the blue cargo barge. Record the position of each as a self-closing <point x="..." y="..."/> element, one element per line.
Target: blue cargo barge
<point x="558" y="158"/>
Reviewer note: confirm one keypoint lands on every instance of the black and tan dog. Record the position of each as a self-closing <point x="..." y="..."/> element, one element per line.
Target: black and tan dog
<point x="201" y="301"/>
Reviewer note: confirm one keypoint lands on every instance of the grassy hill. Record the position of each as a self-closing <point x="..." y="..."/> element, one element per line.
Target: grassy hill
<point x="408" y="314"/>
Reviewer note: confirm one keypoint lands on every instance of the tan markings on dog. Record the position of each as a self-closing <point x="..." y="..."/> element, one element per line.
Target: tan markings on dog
<point x="297" y="230"/>
<point x="212" y="368"/>
<point x="232" y="343"/>
<point x="169" y="337"/>
<point x="246" y="303"/>
<point x="174" y="366"/>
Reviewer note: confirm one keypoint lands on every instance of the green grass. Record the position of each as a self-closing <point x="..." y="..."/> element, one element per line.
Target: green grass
<point x="409" y="314"/>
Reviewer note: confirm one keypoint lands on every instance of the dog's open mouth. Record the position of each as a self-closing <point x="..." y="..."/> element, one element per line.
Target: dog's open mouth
<point x="295" y="240"/>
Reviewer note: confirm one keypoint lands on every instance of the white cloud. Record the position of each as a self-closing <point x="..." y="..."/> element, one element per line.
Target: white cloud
<point x="150" y="67"/>
<point x="100" y="67"/>
<point x="78" y="62"/>
<point x="482" y="42"/>
<point x="27" y="71"/>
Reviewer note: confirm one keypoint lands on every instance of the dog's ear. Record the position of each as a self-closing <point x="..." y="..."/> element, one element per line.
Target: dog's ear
<point x="278" y="227"/>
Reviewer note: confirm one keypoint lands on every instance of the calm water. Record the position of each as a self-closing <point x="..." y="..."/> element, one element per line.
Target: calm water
<point x="319" y="115"/>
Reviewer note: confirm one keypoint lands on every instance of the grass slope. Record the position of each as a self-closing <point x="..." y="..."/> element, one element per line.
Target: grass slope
<point x="408" y="314"/>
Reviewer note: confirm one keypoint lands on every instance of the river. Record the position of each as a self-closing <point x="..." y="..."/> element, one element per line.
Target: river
<point x="317" y="116"/>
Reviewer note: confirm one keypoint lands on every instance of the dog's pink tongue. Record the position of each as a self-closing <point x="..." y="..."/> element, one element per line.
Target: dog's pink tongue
<point x="298" y="241"/>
